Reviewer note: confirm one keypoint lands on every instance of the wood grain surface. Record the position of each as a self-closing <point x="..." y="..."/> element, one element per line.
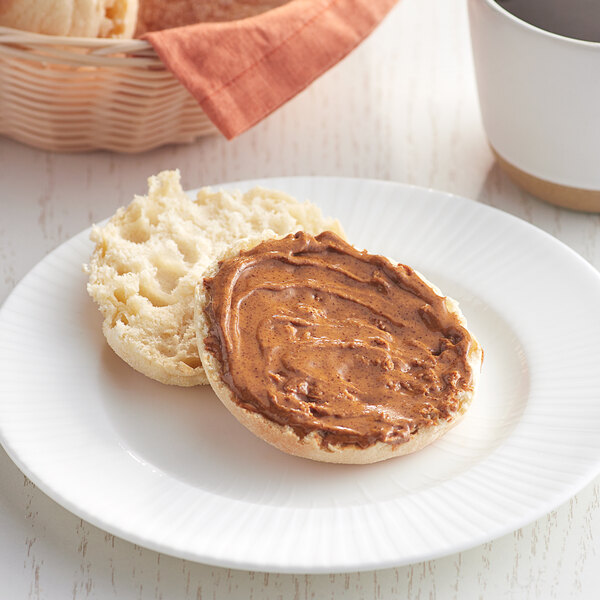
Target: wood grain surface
<point x="403" y="107"/>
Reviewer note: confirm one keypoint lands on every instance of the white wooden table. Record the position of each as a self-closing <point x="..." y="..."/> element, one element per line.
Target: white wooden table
<point x="403" y="107"/>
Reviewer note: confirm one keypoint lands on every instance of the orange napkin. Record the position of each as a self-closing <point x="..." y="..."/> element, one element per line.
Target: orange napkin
<point x="241" y="71"/>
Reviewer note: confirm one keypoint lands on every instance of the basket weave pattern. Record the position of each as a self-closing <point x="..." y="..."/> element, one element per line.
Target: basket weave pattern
<point x="77" y="94"/>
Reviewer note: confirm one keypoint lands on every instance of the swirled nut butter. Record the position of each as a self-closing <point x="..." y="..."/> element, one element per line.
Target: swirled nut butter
<point x="335" y="354"/>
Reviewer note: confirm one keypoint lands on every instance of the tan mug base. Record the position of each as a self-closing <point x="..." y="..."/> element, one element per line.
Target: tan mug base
<point x="561" y="195"/>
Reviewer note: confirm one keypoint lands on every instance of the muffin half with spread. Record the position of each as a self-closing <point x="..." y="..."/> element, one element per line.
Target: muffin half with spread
<point x="331" y="353"/>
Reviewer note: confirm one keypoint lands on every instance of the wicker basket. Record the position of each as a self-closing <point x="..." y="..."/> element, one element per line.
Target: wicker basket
<point x="77" y="94"/>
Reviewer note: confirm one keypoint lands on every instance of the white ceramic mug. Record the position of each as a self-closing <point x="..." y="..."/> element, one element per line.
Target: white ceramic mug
<point x="540" y="100"/>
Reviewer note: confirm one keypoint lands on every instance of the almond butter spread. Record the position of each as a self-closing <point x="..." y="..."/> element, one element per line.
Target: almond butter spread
<point x="314" y="334"/>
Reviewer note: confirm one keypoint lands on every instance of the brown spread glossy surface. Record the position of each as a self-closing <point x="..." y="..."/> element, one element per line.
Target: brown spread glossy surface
<point x="316" y="335"/>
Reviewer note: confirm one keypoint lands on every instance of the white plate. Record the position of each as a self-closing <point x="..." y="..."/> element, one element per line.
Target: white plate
<point x="170" y="469"/>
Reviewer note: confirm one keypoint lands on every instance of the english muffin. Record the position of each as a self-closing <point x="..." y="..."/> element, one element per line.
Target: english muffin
<point x="331" y="353"/>
<point x="150" y="255"/>
<point x="79" y="18"/>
